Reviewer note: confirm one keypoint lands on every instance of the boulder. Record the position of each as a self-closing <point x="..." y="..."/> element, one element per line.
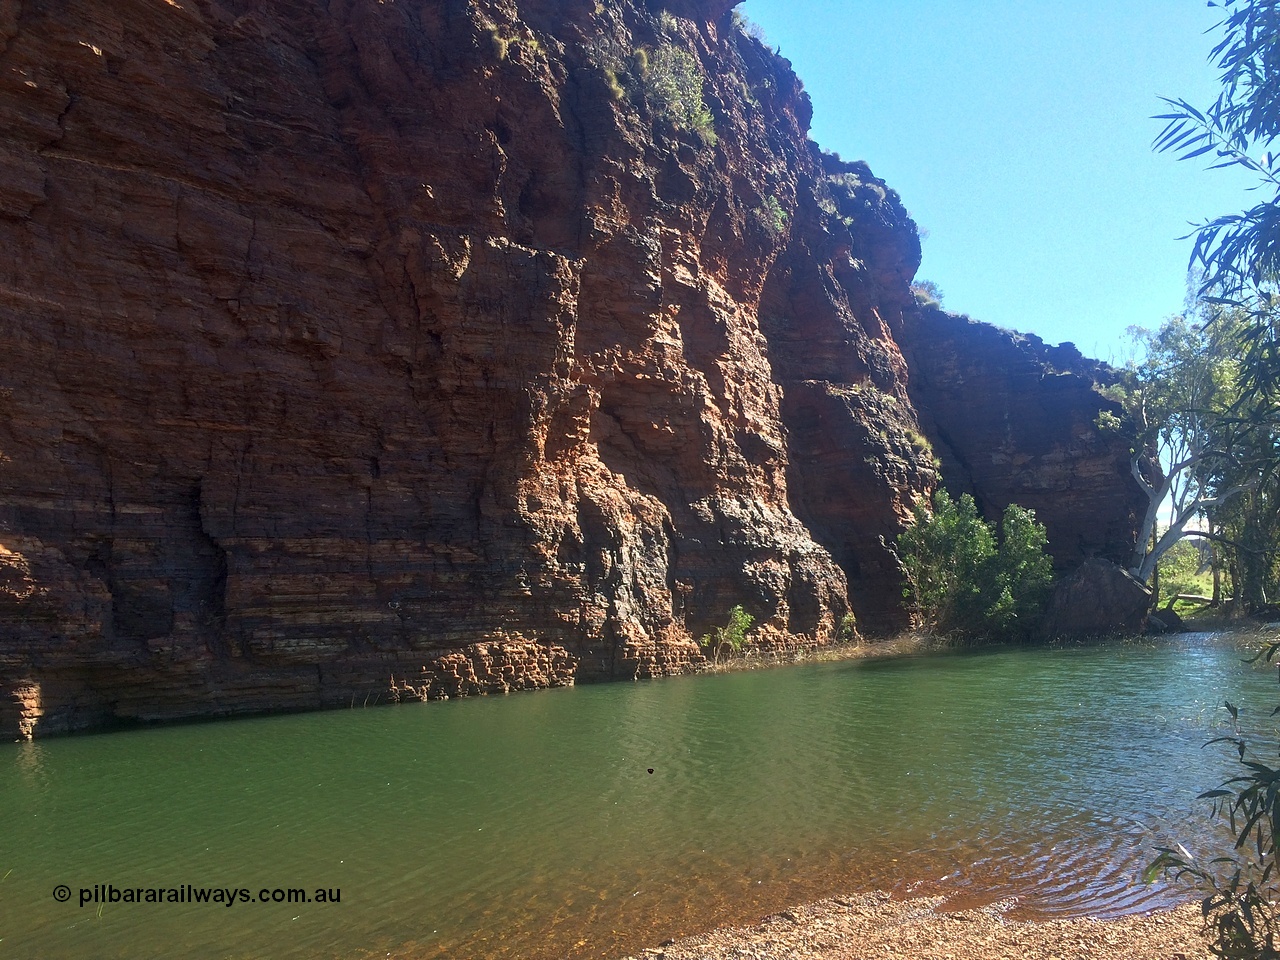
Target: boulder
<point x="1167" y="620"/>
<point x="1098" y="598"/>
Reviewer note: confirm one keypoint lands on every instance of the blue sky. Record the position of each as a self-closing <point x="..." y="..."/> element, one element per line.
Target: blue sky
<point x="1019" y="136"/>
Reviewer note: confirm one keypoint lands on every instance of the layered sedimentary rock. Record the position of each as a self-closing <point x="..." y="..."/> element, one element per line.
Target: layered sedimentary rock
<point x="1012" y="420"/>
<point x="427" y="348"/>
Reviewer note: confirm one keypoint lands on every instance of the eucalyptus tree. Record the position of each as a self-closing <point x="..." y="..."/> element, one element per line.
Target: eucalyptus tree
<point x="1248" y="524"/>
<point x="1240" y="256"/>
<point x="1177" y="397"/>
<point x="1215" y="440"/>
<point x="1237" y="255"/>
<point x="1238" y="252"/>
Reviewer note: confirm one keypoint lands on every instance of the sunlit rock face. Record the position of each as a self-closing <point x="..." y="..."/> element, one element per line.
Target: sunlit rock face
<point x="359" y="349"/>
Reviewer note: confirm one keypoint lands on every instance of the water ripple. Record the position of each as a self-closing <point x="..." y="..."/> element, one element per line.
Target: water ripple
<point x="586" y="822"/>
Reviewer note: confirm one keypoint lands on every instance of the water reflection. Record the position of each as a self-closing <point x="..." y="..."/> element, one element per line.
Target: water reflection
<point x="29" y="761"/>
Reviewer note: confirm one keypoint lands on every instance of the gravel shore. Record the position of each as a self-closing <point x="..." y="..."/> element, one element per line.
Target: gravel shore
<point x="875" y="926"/>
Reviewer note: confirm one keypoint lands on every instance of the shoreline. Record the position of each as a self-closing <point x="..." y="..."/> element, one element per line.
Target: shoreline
<point x="917" y="643"/>
<point x="907" y="644"/>
<point x="871" y="925"/>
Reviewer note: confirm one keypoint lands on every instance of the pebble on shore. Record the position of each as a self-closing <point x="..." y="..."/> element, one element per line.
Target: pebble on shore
<point x="875" y="925"/>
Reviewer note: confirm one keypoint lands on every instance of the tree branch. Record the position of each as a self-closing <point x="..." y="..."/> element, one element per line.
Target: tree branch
<point x="1147" y="488"/>
<point x="1219" y="538"/>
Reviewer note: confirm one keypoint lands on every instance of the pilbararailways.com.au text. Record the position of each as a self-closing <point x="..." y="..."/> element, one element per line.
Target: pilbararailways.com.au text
<point x="187" y="893"/>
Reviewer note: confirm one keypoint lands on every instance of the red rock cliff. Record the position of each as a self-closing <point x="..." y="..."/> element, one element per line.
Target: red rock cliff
<point x="437" y="341"/>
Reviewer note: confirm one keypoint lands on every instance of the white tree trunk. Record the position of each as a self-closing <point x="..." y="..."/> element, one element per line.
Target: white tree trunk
<point x="1144" y="559"/>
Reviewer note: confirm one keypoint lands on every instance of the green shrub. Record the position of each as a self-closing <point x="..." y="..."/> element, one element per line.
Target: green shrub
<point x="967" y="583"/>
<point x="1108" y="422"/>
<point x="1180" y="572"/>
<point x="673" y="87"/>
<point x="920" y="443"/>
<point x="503" y="41"/>
<point x="770" y="216"/>
<point x="740" y="22"/>
<point x="1114" y="391"/>
<point x="927" y="293"/>
<point x="732" y="636"/>
<point x="500" y="44"/>
<point x="615" y="88"/>
<point x="848" y="630"/>
<point x="1023" y="572"/>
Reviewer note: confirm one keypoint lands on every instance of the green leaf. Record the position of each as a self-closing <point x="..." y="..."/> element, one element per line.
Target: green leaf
<point x="1199" y="151"/>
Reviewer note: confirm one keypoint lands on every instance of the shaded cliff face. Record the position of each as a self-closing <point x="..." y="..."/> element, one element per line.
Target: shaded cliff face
<point x="434" y="347"/>
<point x="1012" y="420"/>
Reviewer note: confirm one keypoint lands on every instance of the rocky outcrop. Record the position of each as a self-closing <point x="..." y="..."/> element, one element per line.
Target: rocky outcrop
<point x="1097" y="598"/>
<point x="488" y="668"/>
<point x="1012" y="420"/>
<point x="434" y="348"/>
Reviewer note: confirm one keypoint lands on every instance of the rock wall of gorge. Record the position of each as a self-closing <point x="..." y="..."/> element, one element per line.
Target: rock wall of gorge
<point x="1013" y="420"/>
<point x="357" y="349"/>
